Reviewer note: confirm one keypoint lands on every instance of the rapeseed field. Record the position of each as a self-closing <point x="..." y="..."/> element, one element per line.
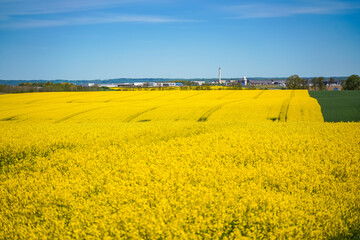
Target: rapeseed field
<point x="176" y="165"/>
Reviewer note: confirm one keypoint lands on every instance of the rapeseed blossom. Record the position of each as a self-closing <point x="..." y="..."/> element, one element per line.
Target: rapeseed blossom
<point x="184" y="165"/>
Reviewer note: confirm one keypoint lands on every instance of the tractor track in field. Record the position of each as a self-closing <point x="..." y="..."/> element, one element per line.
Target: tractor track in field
<point x="116" y="98"/>
<point x="259" y="94"/>
<point x="225" y="95"/>
<point x="11" y="118"/>
<point x="205" y="116"/>
<point x="196" y="94"/>
<point x="132" y="117"/>
<point x="208" y="113"/>
<point x="32" y="101"/>
<point x="16" y="117"/>
<point x="285" y="108"/>
<point x="76" y="114"/>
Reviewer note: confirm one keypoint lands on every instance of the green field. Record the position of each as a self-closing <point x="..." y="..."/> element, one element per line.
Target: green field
<point x="338" y="106"/>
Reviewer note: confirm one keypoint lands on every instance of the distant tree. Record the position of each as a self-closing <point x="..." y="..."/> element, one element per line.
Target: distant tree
<point x="314" y="82"/>
<point x="331" y="81"/>
<point x="48" y="87"/>
<point x="304" y="83"/>
<point x="26" y="84"/>
<point x="2" y="87"/>
<point x="295" y="82"/>
<point x="318" y="83"/>
<point x="351" y="83"/>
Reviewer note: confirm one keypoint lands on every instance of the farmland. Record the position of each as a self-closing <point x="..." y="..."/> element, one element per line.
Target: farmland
<point x="339" y="106"/>
<point x="226" y="105"/>
<point x="176" y="164"/>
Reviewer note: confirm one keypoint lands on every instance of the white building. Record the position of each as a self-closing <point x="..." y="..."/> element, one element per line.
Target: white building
<point x="219" y="75"/>
<point x="199" y="82"/>
<point x="124" y="84"/>
<point x="138" y="84"/>
<point x="88" y="84"/>
<point x="221" y="81"/>
<point x="107" y="85"/>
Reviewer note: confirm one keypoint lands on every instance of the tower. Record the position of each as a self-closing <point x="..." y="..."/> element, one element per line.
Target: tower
<point x="219" y="75"/>
<point x="245" y="81"/>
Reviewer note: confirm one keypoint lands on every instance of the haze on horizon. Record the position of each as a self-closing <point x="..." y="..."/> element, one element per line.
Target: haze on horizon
<point x="105" y="39"/>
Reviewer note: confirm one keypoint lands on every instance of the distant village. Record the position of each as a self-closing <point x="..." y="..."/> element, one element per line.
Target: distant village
<point x="243" y="82"/>
<point x="220" y="82"/>
<point x="332" y="83"/>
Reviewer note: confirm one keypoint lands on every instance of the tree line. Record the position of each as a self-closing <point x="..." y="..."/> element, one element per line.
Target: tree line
<point x="48" y="87"/>
<point x="292" y="82"/>
<point x="318" y="83"/>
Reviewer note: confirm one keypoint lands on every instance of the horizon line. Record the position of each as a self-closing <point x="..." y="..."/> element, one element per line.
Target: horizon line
<point x="172" y="78"/>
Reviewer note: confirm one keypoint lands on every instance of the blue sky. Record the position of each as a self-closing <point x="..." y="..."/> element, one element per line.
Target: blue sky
<point x="102" y="39"/>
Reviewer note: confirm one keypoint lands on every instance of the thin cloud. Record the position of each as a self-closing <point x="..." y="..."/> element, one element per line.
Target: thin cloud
<point x="19" y="14"/>
<point x="268" y="10"/>
<point x="36" y="23"/>
<point x="37" y="7"/>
